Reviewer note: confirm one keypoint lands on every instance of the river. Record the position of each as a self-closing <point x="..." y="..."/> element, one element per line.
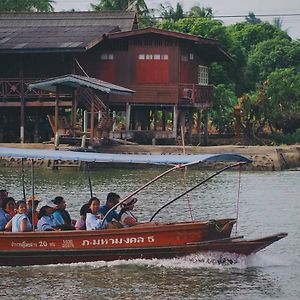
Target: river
<point x="268" y="203"/>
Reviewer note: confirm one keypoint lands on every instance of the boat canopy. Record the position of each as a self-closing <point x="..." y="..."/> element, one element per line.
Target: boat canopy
<point x="170" y="159"/>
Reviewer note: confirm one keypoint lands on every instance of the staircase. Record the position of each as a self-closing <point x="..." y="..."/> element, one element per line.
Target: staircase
<point x="86" y="98"/>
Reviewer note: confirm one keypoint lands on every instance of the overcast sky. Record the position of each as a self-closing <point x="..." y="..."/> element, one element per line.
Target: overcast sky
<point x="220" y="8"/>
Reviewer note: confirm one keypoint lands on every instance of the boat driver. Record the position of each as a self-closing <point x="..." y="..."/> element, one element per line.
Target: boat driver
<point x="111" y="200"/>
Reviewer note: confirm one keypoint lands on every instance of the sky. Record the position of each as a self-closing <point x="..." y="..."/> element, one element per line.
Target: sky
<point x="220" y="8"/>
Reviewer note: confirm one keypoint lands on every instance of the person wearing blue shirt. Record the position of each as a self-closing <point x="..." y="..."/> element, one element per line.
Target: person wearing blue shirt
<point x="20" y="222"/>
<point x="111" y="200"/>
<point x="46" y="220"/>
<point x="60" y="214"/>
<point x="4" y="215"/>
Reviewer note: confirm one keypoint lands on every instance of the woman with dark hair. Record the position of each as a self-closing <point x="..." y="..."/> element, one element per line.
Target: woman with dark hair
<point x="60" y="214"/>
<point x="8" y="203"/>
<point x="80" y="224"/>
<point x="93" y="219"/>
<point x="20" y="222"/>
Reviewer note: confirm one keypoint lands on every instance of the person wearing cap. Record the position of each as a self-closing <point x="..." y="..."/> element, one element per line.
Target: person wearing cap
<point x="111" y="200"/>
<point x="32" y="209"/>
<point x="93" y="218"/>
<point x="20" y="222"/>
<point x="46" y="220"/>
<point x="126" y="218"/>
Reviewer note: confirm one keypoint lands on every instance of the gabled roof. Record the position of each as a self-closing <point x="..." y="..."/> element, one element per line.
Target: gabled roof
<point x="51" y="38"/>
<point x="125" y="20"/>
<point x="162" y="32"/>
<point x="60" y="31"/>
<point x="209" y="48"/>
<point x="76" y="81"/>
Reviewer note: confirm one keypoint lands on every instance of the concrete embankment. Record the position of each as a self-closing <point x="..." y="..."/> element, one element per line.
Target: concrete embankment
<point x="265" y="158"/>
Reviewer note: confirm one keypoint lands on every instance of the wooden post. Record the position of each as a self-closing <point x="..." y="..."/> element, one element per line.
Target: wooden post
<point x="164" y="120"/>
<point x="175" y="116"/>
<point x="22" y="110"/>
<point x="182" y="123"/>
<point x="74" y="111"/>
<point x="85" y="122"/>
<point x="154" y="119"/>
<point x="56" y="125"/>
<point x="206" y="128"/>
<point x="128" y="111"/>
<point x="22" y="115"/>
<point x="191" y="123"/>
<point x="92" y="121"/>
<point x="199" y="126"/>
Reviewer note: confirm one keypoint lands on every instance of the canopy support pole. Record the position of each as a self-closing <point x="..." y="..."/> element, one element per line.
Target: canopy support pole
<point x="23" y="180"/>
<point x="32" y="187"/>
<point x="56" y="125"/>
<point x="197" y="185"/>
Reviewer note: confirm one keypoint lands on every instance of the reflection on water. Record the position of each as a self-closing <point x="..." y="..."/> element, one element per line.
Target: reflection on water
<point x="269" y="203"/>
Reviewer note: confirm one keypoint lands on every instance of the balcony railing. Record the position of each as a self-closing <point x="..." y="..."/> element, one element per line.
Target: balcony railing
<point x="12" y="88"/>
<point x="197" y="95"/>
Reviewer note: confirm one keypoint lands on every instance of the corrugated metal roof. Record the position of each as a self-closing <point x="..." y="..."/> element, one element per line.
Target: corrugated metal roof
<point x="171" y="159"/>
<point x="123" y="19"/>
<point x="51" y="38"/>
<point x="75" y="81"/>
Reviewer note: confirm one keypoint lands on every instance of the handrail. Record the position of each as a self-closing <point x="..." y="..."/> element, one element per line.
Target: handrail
<point x="197" y="185"/>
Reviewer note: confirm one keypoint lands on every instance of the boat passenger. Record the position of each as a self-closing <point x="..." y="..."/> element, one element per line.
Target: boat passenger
<point x="3" y="195"/>
<point x="126" y="218"/>
<point x="33" y="207"/>
<point x="93" y="218"/>
<point x="10" y="206"/>
<point x="80" y="224"/>
<point x="111" y="200"/>
<point x="20" y="222"/>
<point x="60" y="214"/>
<point x="4" y="215"/>
<point x="46" y="220"/>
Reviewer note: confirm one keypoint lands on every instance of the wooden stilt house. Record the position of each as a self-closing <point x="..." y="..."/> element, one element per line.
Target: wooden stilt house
<point x="168" y="71"/>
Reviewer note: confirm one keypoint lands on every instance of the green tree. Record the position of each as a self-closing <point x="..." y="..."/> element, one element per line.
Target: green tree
<point x="168" y="12"/>
<point x="251" y="18"/>
<point x="107" y="5"/>
<point x="222" y="113"/>
<point x="26" y="5"/>
<point x="270" y="55"/>
<point x="202" y="12"/>
<point x="283" y="91"/>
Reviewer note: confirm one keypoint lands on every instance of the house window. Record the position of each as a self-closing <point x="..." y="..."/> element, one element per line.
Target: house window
<point x="107" y="56"/>
<point x="184" y="58"/>
<point x="202" y="75"/>
<point x="156" y="56"/>
<point x="191" y="56"/>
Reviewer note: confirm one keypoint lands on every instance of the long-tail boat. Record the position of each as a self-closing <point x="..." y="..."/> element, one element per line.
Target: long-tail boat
<point x="149" y="240"/>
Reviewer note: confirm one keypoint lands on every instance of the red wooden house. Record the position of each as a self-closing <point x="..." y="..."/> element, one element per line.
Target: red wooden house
<point x="167" y="70"/>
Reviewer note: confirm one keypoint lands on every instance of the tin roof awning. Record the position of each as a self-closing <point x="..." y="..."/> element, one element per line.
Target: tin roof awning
<point x="73" y="81"/>
<point x="120" y="158"/>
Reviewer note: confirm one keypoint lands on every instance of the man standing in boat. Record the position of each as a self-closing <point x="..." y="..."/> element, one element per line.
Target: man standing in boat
<point x="111" y="200"/>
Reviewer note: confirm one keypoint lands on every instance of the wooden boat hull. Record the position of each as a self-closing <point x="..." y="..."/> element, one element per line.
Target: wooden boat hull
<point x="146" y="241"/>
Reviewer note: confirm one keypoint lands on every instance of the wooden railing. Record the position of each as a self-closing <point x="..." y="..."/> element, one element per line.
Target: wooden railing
<point x="12" y="88"/>
<point x="195" y="94"/>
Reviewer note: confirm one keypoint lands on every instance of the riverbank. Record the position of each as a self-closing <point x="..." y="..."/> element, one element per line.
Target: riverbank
<point x="265" y="158"/>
